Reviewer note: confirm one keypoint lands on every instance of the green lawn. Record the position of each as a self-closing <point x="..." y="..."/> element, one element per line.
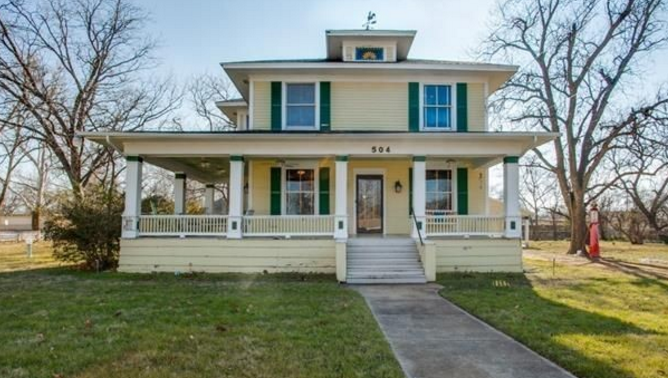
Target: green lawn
<point x="13" y="256"/>
<point x="62" y="323"/>
<point x="591" y="319"/>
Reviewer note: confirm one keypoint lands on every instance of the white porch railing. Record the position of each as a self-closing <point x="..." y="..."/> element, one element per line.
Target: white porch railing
<point x="288" y="225"/>
<point x="177" y="225"/>
<point x="444" y="225"/>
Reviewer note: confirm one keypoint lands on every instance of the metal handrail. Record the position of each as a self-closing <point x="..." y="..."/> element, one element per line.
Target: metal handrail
<point x="417" y="227"/>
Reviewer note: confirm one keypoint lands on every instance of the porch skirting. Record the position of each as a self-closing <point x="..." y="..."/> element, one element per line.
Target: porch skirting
<point x="477" y="255"/>
<point x="217" y="255"/>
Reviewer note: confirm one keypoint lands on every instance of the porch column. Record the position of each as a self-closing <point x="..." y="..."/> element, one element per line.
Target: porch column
<point x="341" y="200"/>
<point x="179" y="193"/>
<point x="208" y="198"/>
<point x="419" y="194"/>
<point x="235" y="197"/>
<point x="511" y="196"/>
<point x="133" y="173"/>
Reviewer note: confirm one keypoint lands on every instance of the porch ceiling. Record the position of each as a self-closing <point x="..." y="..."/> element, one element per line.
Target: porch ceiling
<point x="205" y="169"/>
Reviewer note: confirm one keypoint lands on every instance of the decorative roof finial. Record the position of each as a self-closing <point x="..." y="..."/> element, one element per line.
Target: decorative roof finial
<point x="370" y="20"/>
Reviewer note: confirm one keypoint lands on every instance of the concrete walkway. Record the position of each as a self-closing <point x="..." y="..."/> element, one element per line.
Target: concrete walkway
<point x="431" y="337"/>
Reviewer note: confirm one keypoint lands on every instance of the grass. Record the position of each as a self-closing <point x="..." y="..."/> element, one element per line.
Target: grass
<point x="13" y="256"/>
<point x="62" y="323"/>
<point x="622" y="251"/>
<point x="592" y="319"/>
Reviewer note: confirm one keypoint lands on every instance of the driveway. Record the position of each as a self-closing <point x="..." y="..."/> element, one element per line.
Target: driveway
<point x="431" y="337"/>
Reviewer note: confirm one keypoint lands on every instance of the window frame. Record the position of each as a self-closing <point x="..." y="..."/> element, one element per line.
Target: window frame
<point x="284" y="105"/>
<point x="453" y="208"/>
<point x="442" y="165"/>
<point x="316" y="186"/>
<point x="453" y="108"/>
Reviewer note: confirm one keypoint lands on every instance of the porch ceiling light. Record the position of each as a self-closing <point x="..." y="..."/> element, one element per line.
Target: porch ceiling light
<point x="398" y="187"/>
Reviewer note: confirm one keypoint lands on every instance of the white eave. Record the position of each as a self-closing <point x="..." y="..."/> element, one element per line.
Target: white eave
<point x="231" y="107"/>
<point x="495" y="74"/>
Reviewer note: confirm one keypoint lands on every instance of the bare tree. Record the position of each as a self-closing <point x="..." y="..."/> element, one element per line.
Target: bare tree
<point x="32" y="188"/>
<point x="642" y="173"/>
<point x="12" y="140"/>
<point x="77" y="66"/>
<point x="537" y="188"/>
<point x="204" y="91"/>
<point x="576" y="56"/>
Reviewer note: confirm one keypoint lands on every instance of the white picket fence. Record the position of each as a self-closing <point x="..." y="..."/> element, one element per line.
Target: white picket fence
<point x="459" y="225"/>
<point x="288" y="225"/>
<point x="177" y="225"/>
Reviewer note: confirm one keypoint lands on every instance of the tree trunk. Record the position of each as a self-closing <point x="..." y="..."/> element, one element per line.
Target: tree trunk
<point x="578" y="227"/>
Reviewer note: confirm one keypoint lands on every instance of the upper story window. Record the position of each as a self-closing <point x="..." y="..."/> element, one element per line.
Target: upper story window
<point x="437" y="104"/>
<point x="370" y="54"/>
<point x="300" y="105"/>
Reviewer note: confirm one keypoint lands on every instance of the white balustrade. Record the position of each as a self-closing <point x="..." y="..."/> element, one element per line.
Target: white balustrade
<point x="288" y="225"/>
<point x="177" y="225"/>
<point x="444" y="225"/>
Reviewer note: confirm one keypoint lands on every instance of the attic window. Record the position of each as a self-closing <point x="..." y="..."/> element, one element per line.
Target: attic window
<point x="370" y="54"/>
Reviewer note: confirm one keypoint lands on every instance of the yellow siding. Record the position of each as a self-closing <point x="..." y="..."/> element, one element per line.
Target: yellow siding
<point x="221" y="255"/>
<point x="476" y="106"/>
<point x="369" y="106"/>
<point x="477" y="191"/>
<point x="261" y="105"/>
<point x="478" y="255"/>
<point x="396" y="204"/>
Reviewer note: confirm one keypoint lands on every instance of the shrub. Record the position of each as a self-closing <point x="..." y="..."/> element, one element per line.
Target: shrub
<point x="87" y="230"/>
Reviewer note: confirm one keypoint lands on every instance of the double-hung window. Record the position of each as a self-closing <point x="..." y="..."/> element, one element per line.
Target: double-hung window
<point x="437" y="107"/>
<point x="300" y="191"/>
<point x="300" y="105"/>
<point x="439" y="191"/>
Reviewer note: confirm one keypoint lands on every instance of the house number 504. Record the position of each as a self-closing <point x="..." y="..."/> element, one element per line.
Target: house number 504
<point x="380" y="150"/>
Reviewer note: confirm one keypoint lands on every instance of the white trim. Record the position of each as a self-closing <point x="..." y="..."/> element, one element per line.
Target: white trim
<point x="434" y="65"/>
<point x="369" y="171"/>
<point x="284" y="108"/>
<point x="453" y="107"/>
<point x="485" y="90"/>
<point x="251" y="95"/>
<point x="316" y="183"/>
<point x="250" y="185"/>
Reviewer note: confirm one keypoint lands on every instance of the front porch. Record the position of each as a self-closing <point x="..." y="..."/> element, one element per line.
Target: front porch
<point x="329" y="196"/>
<point x="293" y="200"/>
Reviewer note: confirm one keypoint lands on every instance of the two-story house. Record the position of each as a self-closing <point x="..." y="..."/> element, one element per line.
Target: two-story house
<point x="366" y="164"/>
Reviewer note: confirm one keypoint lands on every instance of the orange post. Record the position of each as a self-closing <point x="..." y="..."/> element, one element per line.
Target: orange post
<point x="594" y="248"/>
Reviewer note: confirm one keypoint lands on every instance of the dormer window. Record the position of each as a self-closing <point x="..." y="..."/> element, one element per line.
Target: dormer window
<point x="370" y="54"/>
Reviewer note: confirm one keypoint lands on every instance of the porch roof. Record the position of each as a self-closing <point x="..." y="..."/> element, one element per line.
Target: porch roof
<point x="204" y="156"/>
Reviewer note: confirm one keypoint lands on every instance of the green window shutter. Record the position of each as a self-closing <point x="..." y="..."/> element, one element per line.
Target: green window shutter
<point x="462" y="191"/>
<point x="410" y="191"/>
<point x="325" y="105"/>
<point x="276" y="105"/>
<point x="414" y="107"/>
<point x="324" y="191"/>
<point x="275" y="196"/>
<point x="462" y="108"/>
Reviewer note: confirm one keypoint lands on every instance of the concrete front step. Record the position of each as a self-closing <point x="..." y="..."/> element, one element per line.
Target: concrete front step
<point x="372" y="281"/>
<point x="383" y="260"/>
